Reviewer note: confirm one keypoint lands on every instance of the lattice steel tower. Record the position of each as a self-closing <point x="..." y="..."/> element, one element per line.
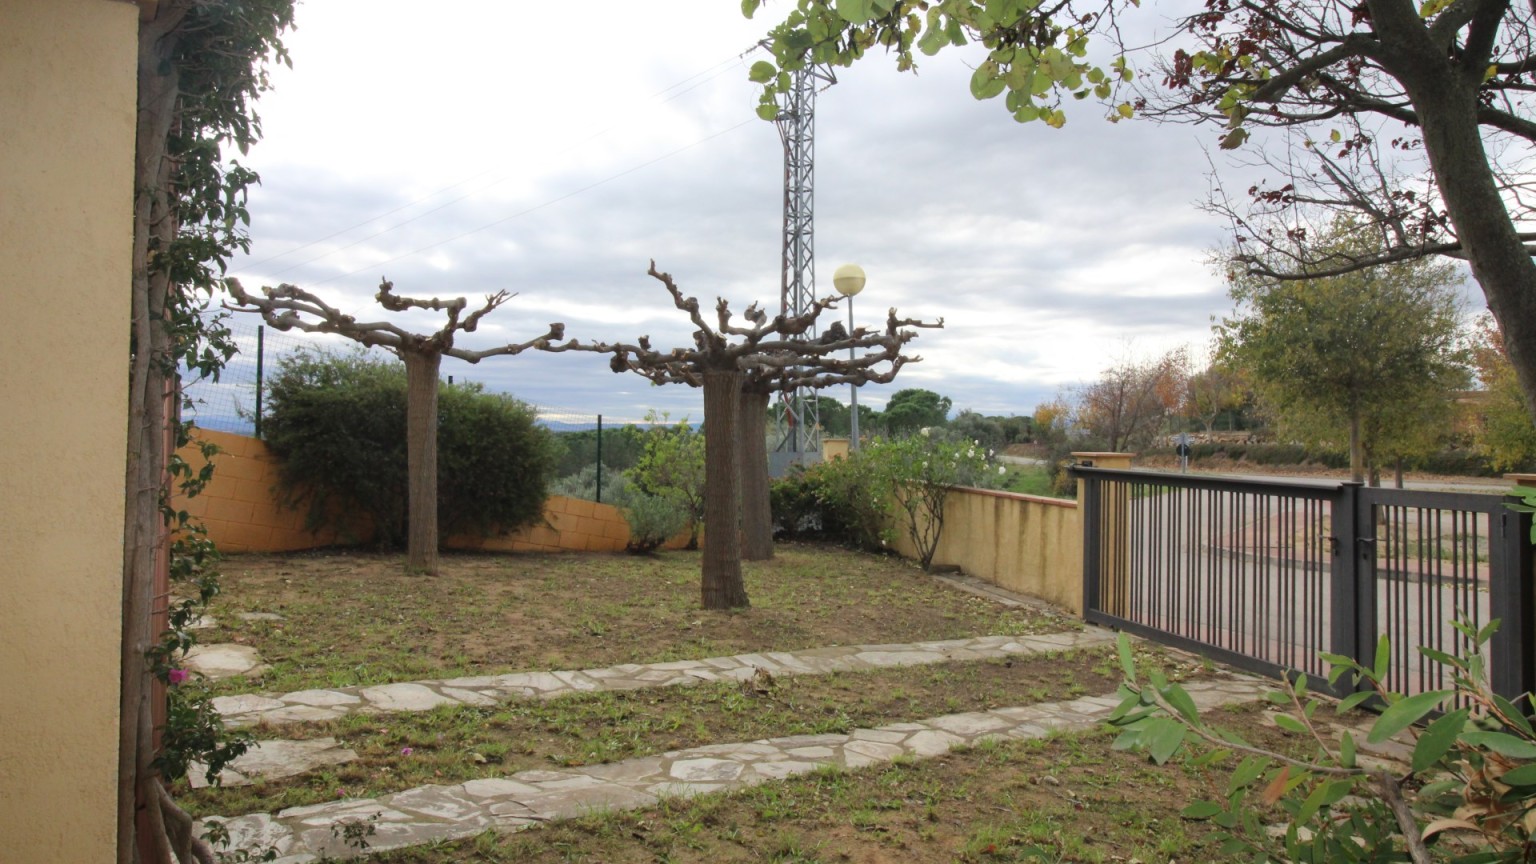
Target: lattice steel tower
<point x="799" y="421"/>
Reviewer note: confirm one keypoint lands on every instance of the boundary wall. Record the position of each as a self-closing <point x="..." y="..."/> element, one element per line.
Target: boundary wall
<point x="243" y="511"/>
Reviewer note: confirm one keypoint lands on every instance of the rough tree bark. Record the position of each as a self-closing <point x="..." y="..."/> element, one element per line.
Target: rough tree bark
<point x="421" y="371"/>
<point x="720" y="585"/>
<point x="756" y="509"/>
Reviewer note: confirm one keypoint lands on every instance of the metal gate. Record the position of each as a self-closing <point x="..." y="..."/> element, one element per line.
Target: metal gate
<point x="1268" y="574"/>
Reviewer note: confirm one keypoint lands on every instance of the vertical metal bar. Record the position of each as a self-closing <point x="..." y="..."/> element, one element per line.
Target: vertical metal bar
<point x="1363" y="550"/>
<point x="1510" y="592"/>
<point x="1344" y="637"/>
<point x="1092" y="562"/>
<point x="261" y="351"/>
<point x="599" y="458"/>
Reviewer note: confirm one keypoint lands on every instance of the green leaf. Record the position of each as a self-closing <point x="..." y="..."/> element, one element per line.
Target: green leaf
<point x="855" y="11"/>
<point x="1313" y="802"/>
<point x="1438" y="739"/>
<point x="1525" y="775"/>
<point x="1514" y="714"/>
<point x="768" y="111"/>
<point x="1163" y="740"/>
<point x="1201" y="810"/>
<point x="1182" y="703"/>
<point x="984" y="82"/>
<point x="1248" y="770"/>
<point x="749" y="7"/>
<point x="1234" y="139"/>
<point x="1290" y="724"/>
<point x="1124" y="109"/>
<point x="1353" y="701"/>
<point x="1502" y="743"/>
<point x="1347" y="750"/>
<point x="1405" y="713"/>
<point x="762" y="72"/>
<point x="1383" y="657"/>
<point x="1127" y="660"/>
<point x="1443" y="658"/>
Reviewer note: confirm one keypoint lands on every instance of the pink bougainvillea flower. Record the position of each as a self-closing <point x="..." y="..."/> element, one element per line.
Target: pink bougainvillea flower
<point x="340" y="792"/>
<point x="406" y="751"/>
<point x="176" y="676"/>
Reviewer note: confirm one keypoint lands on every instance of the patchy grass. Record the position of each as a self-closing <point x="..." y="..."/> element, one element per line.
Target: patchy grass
<point x="454" y="744"/>
<point x="1068" y="798"/>
<point x="357" y="619"/>
<point x="1030" y="480"/>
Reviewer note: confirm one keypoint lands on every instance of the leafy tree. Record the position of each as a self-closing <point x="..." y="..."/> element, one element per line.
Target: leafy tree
<point x="1448" y="80"/>
<point x="672" y="468"/>
<point x="1129" y="404"/>
<point x="284" y="308"/>
<point x="338" y="422"/>
<point x="987" y="432"/>
<point x="1502" y="430"/>
<point x="1212" y="392"/>
<point x="201" y="65"/>
<point x="1370" y="356"/>
<point x="914" y="408"/>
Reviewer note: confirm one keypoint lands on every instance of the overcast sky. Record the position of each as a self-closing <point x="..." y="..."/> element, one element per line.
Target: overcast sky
<point x="553" y="149"/>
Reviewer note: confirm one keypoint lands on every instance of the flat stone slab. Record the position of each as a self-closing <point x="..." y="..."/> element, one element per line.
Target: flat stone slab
<point x="487" y="690"/>
<point x="274" y="760"/>
<point x="223" y="660"/>
<point x="428" y="814"/>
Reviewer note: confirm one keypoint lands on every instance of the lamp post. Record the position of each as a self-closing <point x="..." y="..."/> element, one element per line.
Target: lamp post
<point x="849" y="280"/>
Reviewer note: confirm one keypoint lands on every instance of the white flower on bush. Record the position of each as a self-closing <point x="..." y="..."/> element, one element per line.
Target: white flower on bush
<point x="1002" y="470"/>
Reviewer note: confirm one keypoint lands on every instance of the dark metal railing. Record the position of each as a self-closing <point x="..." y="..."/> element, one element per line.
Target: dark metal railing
<point x="1268" y="574"/>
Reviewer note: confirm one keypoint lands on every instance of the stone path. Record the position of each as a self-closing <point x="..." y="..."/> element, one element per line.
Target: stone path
<point x="428" y="813"/>
<point x="486" y="690"/>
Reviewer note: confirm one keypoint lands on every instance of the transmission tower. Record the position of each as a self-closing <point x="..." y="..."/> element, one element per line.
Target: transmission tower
<point x="799" y="429"/>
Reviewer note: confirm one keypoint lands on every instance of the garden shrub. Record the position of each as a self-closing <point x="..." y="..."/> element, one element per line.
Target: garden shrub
<point x="652" y="519"/>
<point x="337" y="423"/>
<point x="583" y="485"/>
<point x="672" y="467"/>
<point x="922" y="469"/>
<point x="846" y="500"/>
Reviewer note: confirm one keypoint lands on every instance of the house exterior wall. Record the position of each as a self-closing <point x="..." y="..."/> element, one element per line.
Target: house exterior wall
<point x="67" y="99"/>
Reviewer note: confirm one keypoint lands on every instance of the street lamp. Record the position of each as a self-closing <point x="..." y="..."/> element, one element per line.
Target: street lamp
<point x="849" y="280"/>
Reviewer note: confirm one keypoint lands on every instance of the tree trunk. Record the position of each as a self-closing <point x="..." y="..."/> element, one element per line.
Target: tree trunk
<point x="721" y="586"/>
<point x="143" y="529"/>
<point x="752" y="451"/>
<point x="421" y="369"/>
<point x="1445" y="99"/>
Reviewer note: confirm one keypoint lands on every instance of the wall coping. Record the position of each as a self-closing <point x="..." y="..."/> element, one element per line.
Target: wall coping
<point x="1020" y="496"/>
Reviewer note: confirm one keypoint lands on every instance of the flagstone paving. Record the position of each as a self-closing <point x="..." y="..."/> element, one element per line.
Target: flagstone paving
<point x="485" y="690"/>
<point x="428" y="813"/>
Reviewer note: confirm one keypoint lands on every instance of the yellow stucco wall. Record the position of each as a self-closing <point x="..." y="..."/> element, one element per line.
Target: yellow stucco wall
<point x="242" y="510"/>
<point x="1024" y="543"/>
<point x="66" y="189"/>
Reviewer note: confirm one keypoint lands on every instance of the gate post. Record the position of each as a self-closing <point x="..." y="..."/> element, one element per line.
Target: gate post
<point x="1105" y="521"/>
<point x="1512" y="671"/>
<point x="1348" y="611"/>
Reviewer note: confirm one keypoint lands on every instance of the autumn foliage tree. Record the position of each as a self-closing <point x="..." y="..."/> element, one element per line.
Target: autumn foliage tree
<point x="1129" y="404"/>
<point x="739" y="366"/>
<point x="1502" y="426"/>
<point x="286" y="306"/>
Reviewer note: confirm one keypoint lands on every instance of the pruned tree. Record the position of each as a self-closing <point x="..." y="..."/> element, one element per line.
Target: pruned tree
<point x="768" y="356"/>
<point x="284" y="308"/>
<point x="1447" y="82"/>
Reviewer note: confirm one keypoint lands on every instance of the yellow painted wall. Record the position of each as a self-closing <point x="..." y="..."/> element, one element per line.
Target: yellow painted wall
<point x="242" y="512"/>
<point x="1025" y="543"/>
<point x="67" y="97"/>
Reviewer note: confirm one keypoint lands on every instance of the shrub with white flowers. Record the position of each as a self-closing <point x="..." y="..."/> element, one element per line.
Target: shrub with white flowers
<point x="923" y="469"/>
